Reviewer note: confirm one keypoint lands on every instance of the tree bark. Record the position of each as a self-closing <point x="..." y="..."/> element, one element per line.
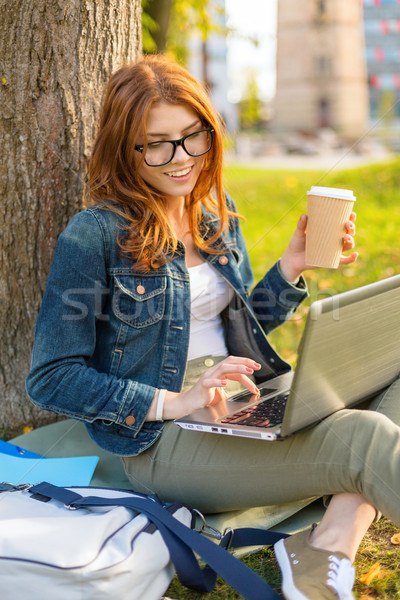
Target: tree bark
<point x="55" y="58"/>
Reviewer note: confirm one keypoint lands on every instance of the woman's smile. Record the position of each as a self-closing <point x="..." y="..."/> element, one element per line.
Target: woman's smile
<point x="180" y="174"/>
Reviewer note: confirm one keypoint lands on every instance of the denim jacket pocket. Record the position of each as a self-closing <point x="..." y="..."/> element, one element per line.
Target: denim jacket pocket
<point x="139" y="300"/>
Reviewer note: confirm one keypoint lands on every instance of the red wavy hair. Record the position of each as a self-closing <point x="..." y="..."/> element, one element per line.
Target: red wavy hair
<point x="113" y="180"/>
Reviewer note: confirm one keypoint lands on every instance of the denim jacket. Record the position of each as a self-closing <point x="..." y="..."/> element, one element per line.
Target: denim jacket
<point x="108" y="335"/>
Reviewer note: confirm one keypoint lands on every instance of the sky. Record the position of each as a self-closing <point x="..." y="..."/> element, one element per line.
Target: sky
<point x="251" y="18"/>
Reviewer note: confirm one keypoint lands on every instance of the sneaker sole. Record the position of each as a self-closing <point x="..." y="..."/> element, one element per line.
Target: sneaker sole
<point x="289" y="590"/>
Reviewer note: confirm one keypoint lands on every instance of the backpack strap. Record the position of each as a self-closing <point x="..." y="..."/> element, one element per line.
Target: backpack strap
<point x="182" y="542"/>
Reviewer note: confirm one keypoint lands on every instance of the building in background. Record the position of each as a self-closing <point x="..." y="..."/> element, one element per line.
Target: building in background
<point x="321" y="70"/>
<point x="382" y="41"/>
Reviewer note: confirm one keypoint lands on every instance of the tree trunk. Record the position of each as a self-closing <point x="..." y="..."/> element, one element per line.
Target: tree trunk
<point x="55" y="58"/>
<point x="159" y="11"/>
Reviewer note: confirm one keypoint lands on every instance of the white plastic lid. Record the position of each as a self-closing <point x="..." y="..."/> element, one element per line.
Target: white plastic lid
<point x="329" y="192"/>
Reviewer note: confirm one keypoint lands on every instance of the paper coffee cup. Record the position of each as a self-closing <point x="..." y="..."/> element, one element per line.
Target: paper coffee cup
<point x="328" y="211"/>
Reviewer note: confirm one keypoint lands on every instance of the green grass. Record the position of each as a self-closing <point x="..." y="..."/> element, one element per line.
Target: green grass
<point x="272" y="202"/>
<point x="375" y="548"/>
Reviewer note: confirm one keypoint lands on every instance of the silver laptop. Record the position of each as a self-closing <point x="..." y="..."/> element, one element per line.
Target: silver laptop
<point x="349" y="351"/>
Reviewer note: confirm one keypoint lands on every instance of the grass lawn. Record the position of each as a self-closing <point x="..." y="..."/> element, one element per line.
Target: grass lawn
<point x="272" y="201"/>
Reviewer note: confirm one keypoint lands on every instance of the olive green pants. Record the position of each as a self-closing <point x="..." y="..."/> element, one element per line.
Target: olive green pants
<point x="350" y="451"/>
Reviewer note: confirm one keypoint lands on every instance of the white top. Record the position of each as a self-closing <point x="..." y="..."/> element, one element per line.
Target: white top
<point x="209" y="295"/>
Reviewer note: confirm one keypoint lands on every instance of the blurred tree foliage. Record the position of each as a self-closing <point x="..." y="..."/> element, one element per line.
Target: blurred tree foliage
<point x="250" y="108"/>
<point x="168" y="24"/>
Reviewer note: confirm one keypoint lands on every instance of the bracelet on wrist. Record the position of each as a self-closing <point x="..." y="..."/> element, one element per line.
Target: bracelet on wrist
<point x="160" y="404"/>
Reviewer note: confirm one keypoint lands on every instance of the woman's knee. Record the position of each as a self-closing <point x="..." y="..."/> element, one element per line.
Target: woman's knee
<point x="359" y="429"/>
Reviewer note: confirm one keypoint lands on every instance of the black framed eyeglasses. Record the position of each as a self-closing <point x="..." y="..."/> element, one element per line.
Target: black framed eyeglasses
<point x="162" y="152"/>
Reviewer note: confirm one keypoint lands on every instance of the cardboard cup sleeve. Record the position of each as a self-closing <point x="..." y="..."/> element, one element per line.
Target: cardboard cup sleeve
<point x="328" y="211"/>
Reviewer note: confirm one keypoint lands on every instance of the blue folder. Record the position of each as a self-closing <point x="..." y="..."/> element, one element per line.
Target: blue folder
<point x="13" y="450"/>
<point x="18" y="466"/>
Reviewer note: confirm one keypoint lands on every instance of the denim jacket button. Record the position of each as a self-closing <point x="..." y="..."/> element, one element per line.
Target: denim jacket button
<point x="223" y="260"/>
<point x="140" y="289"/>
<point x="209" y="362"/>
<point x="130" y="420"/>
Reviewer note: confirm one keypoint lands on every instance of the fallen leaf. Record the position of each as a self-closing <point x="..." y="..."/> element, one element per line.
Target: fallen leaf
<point x="367" y="598"/>
<point x="375" y="572"/>
<point x="291" y="182"/>
<point x="27" y="429"/>
<point x="366" y="549"/>
<point x="324" y="284"/>
<point x="395" y="539"/>
<point x="312" y="275"/>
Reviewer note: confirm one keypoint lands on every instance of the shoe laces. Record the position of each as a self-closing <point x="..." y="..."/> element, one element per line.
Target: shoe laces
<point x="341" y="577"/>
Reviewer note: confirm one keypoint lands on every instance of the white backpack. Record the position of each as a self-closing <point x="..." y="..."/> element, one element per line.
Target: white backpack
<point x="104" y="544"/>
<point x="50" y="552"/>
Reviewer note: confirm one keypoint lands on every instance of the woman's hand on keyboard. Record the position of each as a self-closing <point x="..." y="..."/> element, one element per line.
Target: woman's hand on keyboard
<point x="209" y="389"/>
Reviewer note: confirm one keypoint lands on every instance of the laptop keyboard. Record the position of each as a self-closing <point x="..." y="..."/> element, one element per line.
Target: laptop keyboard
<point x="265" y="414"/>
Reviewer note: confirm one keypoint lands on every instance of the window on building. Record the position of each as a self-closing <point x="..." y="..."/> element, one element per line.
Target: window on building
<point x="324" y="119"/>
<point x="322" y="66"/>
<point x="321" y="12"/>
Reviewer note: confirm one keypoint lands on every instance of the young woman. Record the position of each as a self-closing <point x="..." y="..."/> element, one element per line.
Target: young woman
<point x="143" y="321"/>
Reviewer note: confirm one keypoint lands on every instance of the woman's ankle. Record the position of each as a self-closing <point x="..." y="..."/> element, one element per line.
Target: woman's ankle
<point x="344" y="524"/>
<point x="329" y="538"/>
